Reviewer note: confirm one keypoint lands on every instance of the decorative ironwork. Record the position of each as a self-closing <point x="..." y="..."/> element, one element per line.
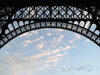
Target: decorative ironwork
<point x="15" y="21"/>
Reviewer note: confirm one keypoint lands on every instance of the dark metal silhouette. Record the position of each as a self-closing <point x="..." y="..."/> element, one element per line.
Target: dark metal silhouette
<point x="17" y="18"/>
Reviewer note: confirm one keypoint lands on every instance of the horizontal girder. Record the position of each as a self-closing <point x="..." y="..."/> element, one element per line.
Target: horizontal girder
<point x="20" y="3"/>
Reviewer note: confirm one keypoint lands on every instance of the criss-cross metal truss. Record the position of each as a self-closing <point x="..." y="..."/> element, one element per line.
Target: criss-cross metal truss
<point x="84" y="20"/>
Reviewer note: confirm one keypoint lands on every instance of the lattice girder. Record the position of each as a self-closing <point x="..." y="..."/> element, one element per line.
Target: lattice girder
<point x="15" y="21"/>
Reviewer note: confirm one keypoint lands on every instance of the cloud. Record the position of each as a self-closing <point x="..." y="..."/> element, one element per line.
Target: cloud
<point x="40" y="46"/>
<point x="84" y="68"/>
<point x="19" y="65"/>
<point x="87" y="40"/>
<point x="55" y="51"/>
<point x="47" y="66"/>
<point x="60" y="38"/>
<point x="47" y="53"/>
<point x="62" y="69"/>
<point x="50" y="52"/>
<point x="26" y="34"/>
<point x="41" y="54"/>
<point x="77" y="36"/>
<point x="49" y="34"/>
<point x="26" y="42"/>
<point x="2" y="68"/>
<point x="66" y="47"/>
<point x="54" y="60"/>
<point x="57" y="40"/>
<point x="73" y="46"/>
<point x="80" y="68"/>
<point x="41" y="37"/>
<point x="45" y="56"/>
<point x="56" y="56"/>
<point x="71" y="41"/>
<point x="58" y="30"/>
<point x="37" y="55"/>
<point x="37" y="39"/>
<point x="35" y="32"/>
<point x="65" y="53"/>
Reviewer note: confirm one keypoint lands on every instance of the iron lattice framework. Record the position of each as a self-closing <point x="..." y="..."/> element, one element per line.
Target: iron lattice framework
<point x="84" y="20"/>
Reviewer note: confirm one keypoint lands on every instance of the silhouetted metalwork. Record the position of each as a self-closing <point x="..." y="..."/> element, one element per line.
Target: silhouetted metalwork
<point x="81" y="19"/>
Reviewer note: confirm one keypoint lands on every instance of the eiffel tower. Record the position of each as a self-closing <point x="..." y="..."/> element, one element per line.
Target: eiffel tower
<point x="18" y="17"/>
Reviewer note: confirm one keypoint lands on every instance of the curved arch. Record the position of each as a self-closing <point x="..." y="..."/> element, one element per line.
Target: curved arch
<point x="76" y="19"/>
<point x="33" y="26"/>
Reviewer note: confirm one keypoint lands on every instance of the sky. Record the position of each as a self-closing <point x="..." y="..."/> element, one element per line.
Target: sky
<point x="50" y="51"/>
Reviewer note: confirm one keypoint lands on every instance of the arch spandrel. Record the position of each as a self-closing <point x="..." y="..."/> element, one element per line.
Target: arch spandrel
<point x="78" y="19"/>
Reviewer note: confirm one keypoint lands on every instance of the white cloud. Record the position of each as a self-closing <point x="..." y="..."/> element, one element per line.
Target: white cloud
<point x="56" y="51"/>
<point x="2" y="68"/>
<point x="87" y="40"/>
<point x="41" y="37"/>
<point x="47" y="53"/>
<point x="26" y="34"/>
<point x="37" y="56"/>
<point x="37" y="39"/>
<point x="26" y="42"/>
<point x="35" y="32"/>
<point x="50" y="52"/>
<point x="60" y="38"/>
<point x="55" y="60"/>
<point x="49" y="34"/>
<point x="47" y="66"/>
<point x="65" y="53"/>
<point x="39" y="60"/>
<point x="41" y="45"/>
<point x="73" y="46"/>
<point x="66" y="47"/>
<point x="58" y="30"/>
<point x="56" y="56"/>
<point x="57" y="40"/>
<point x="16" y="63"/>
<point x="71" y="41"/>
<point x="41" y="54"/>
<point x="77" y="36"/>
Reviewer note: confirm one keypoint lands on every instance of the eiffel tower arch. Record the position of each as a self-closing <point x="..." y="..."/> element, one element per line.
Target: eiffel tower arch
<point x="18" y="17"/>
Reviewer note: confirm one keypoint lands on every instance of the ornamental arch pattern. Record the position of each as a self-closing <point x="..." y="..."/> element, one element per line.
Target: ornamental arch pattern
<point x="82" y="19"/>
